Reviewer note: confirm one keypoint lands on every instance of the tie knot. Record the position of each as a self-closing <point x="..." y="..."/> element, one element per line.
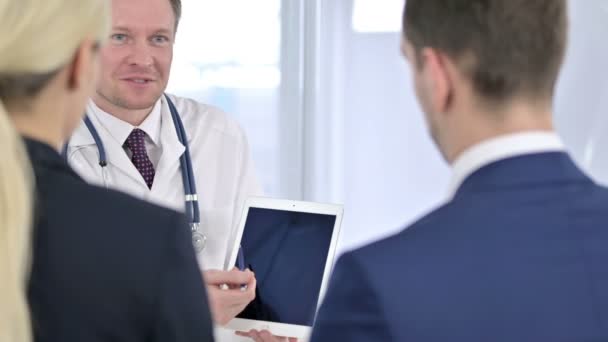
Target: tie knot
<point x="135" y="139"/>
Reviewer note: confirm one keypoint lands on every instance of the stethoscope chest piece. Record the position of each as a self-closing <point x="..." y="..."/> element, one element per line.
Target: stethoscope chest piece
<point x="199" y="241"/>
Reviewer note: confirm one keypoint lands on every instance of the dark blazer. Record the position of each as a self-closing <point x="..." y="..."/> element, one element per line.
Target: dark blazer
<point x="108" y="267"/>
<point x="519" y="254"/>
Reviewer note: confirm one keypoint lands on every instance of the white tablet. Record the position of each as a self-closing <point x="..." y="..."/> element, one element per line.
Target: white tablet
<point x="290" y="245"/>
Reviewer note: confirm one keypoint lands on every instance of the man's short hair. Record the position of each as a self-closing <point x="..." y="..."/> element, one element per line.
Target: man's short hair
<point x="507" y="47"/>
<point x="177" y="10"/>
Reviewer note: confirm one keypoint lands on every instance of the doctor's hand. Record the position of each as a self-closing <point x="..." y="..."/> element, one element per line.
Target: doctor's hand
<point x="265" y="336"/>
<point x="227" y="295"/>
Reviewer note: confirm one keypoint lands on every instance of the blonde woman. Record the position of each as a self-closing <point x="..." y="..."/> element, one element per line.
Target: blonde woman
<point x="104" y="266"/>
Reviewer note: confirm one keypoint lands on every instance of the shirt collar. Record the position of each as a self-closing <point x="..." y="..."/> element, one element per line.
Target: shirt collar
<point x="502" y="147"/>
<point x="120" y="130"/>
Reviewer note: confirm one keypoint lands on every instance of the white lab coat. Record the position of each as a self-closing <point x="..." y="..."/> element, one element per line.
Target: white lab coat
<point x="221" y="162"/>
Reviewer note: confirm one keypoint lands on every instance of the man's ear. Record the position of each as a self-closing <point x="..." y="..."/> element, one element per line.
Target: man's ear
<point x="81" y="67"/>
<point x="438" y="82"/>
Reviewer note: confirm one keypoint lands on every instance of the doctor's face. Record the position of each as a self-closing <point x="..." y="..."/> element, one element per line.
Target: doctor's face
<point x="136" y="60"/>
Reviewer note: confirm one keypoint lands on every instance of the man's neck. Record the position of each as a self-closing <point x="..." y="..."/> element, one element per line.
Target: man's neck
<point x="134" y="117"/>
<point x="39" y="126"/>
<point x="515" y="118"/>
<point x="42" y="118"/>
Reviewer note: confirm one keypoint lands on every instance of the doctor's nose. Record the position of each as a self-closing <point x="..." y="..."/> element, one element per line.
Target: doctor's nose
<point x="141" y="55"/>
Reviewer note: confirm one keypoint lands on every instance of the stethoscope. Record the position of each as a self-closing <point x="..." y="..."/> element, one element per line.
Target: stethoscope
<point x="199" y="240"/>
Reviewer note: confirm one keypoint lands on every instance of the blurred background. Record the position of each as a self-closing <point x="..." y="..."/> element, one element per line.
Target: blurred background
<point x="325" y="98"/>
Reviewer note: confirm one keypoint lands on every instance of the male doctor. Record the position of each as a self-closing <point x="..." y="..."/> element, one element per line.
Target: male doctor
<point x="133" y="121"/>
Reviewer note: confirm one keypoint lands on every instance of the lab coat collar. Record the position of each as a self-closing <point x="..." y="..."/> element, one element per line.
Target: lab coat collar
<point x="172" y="149"/>
<point x="115" y="153"/>
<point x="120" y="129"/>
<point x="81" y="136"/>
<point x="152" y="124"/>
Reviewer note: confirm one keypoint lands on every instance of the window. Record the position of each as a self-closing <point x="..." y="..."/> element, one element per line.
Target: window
<point x="373" y="16"/>
<point x="227" y="54"/>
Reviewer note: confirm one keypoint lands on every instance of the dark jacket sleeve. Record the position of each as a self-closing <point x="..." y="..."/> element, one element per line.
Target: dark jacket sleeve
<point x="351" y="310"/>
<point x="183" y="313"/>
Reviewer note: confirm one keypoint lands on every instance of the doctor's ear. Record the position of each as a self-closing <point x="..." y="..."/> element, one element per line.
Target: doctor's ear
<point x="83" y="67"/>
<point x="437" y="80"/>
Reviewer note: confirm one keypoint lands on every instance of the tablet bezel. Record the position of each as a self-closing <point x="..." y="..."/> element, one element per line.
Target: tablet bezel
<point x="284" y="329"/>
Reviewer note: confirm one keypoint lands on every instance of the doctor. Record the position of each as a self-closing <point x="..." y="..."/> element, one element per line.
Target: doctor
<point x="132" y="141"/>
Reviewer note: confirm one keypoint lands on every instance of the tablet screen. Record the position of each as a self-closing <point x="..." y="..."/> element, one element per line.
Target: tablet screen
<point x="288" y="251"/>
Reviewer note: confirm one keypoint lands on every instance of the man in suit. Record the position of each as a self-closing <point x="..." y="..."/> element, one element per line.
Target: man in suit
<point x="519" y="251"/>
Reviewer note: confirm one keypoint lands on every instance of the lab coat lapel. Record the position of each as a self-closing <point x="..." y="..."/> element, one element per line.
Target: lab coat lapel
<point x="81" y="137"/>
<point x="172" y="150"/>
<point x="115" y="153"/>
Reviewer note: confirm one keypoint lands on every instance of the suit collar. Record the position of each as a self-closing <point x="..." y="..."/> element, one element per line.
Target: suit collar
<point x="44" y="156"/>
<point x="501" y="147"/>
<point x="524" y="171"/>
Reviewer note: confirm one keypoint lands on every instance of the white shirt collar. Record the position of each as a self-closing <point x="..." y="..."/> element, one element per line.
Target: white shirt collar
<point x="120" y="130"/>
<point x="502" y="147"/>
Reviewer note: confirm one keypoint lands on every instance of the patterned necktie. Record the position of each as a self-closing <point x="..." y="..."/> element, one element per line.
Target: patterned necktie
<point x="135" y="143"/>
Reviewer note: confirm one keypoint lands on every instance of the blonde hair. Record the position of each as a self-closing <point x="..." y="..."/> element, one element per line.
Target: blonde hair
<point x="15" y="194"/>
<point x="39" y="37"/>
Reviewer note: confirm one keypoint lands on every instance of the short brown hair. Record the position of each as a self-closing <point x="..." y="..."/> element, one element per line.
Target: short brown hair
<point x="507" y="47"/>
<point x="177" y="10"/>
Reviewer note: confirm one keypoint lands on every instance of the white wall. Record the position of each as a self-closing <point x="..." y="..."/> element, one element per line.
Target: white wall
<point x="393" y="173"/>
<point x="389" y="172"/>
<point x="581" y="106"/>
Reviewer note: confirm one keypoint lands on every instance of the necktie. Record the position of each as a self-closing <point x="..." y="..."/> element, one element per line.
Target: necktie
<point x="136" y="144"/>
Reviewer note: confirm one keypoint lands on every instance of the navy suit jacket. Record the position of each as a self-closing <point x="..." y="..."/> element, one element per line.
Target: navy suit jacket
<point x="519" y="254"/>
<point x="108" y="267"/>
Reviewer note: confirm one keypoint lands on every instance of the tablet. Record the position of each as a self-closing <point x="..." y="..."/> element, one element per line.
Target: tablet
<point x="290" y="246"/>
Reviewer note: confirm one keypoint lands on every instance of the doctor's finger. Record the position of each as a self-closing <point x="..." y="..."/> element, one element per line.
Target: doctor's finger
<point x="252" y="283"/>
<point x="233" y="297"/>
<point x="252" y="334"/>
<point x="233" y="277"/>
<point x="266" y="336"/>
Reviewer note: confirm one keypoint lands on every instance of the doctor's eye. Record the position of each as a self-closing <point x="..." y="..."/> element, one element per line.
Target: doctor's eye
<point x="159" y="39"/>
<point x="118" y="37"/>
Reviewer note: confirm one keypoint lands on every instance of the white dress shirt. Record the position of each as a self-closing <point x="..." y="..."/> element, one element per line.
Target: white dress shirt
<point x="120" y="130"/>
<point x="502" y="147"/>
<point x="222" y="165"/>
